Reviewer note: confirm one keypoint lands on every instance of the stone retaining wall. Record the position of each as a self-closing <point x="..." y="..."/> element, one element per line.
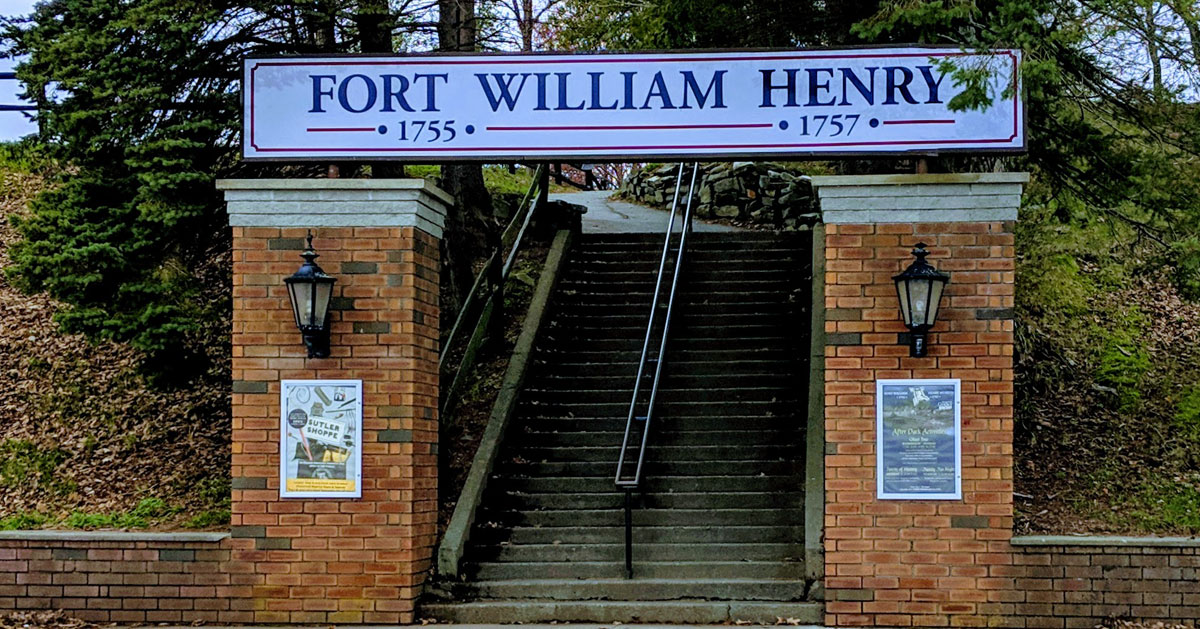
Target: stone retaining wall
<point x="122" y="577"/>
<point x="756" y="192"/>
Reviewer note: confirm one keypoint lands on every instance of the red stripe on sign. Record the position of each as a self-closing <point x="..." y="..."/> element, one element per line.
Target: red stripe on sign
<point x="918" y="122"/>
<point x="337" y="129"/>
<point x="636" y="127"/>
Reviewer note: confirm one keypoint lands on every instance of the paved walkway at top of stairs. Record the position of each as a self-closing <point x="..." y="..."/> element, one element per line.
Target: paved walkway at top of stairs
<point x="606" y="215"/>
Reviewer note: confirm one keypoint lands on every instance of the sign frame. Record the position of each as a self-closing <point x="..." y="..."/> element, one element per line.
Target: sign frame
<point x="880" y="462"/>
<point x="515" y="155"/>
<point x="291" y="389"/>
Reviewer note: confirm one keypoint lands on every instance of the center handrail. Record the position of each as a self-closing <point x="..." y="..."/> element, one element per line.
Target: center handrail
<point x="630" y="482"/>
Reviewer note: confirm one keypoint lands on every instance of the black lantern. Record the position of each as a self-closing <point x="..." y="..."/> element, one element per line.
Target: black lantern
<point x="310" y="289"/>
<point x="920" y="289"/>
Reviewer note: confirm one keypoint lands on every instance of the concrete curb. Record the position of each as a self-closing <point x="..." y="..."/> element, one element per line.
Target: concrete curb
<point x="1106" y="540"/>
<point x="112" y="536"/>
<point x="454" y="542"/>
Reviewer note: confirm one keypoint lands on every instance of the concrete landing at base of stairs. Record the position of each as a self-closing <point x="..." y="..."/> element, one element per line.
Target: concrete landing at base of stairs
<point x="606" y="215"/>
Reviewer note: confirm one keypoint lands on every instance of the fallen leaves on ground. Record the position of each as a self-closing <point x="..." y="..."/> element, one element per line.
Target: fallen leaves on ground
<point x="43" y="620"/>
<point x="114" y="440"/>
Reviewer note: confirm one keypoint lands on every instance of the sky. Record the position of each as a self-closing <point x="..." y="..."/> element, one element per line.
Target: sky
<point x="13" y="125"/>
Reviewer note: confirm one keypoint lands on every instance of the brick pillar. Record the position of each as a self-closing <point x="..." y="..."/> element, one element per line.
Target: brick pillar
<point x="915" y="562"/>
<point x="337" y="560"/>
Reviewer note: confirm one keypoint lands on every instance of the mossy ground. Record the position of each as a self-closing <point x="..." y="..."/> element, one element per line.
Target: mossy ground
<point x="1108" y="383"/>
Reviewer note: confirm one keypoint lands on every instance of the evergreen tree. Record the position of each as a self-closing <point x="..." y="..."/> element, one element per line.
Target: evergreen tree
<point x="145" y="116"/>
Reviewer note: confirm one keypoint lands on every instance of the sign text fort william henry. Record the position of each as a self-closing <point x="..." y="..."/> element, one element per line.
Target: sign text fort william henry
<point x="633" y="105"/>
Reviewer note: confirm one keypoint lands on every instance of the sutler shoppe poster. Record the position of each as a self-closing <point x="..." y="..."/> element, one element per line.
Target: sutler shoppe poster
<point x="919" y="440"/>
<point x="320" y="439"/>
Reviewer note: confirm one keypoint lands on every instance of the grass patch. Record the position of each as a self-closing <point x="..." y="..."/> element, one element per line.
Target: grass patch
<point x="1187" y="413"/>
<point x="24" y="463"/>
<point x="23" y="521"/>
<point x="147" y="513"/>
<point x="1164" y="506"/>
<point x="206" y="519"/>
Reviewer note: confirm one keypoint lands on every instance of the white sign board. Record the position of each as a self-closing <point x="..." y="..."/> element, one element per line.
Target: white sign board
<point x="320" y="439"/>
<point x="625" y="106"/>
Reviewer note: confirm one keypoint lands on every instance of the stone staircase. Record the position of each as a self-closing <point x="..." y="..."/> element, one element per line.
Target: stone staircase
<point x="719" y="525"/>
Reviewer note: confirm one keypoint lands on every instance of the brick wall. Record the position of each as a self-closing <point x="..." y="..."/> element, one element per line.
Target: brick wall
<point x="122" y="580"/>
<point x="919" y="563"/>
<point x="323" y="560"/>
<point x="1069" y="585"/>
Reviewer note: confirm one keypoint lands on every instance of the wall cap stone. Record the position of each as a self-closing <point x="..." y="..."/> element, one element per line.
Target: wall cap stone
<point x="1106" y="540"/>
<point x="315" y="203"/>
<point x="909" y="180"/>
<point x="112" y="536"/>
<point x="335" y="184"/>
<point x="937" y="198"/>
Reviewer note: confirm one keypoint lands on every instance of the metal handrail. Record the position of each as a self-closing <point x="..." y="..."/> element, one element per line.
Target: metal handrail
<point x="488" y="288"/>
<point x="631" y="482"/>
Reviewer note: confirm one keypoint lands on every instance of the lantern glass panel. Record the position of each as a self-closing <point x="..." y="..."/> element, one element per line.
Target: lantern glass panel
<point x="322" y="291"/>
<point x="935" y="299"/>
<point x="905" y="308"/>
<point x="918" y="295"/>
<point x="297" y="292"/>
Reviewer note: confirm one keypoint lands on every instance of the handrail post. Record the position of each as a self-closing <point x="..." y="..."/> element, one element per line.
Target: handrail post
<point x="543" y="184"/>
<point x="628" y="533"/>
<point x="623" y="482"/>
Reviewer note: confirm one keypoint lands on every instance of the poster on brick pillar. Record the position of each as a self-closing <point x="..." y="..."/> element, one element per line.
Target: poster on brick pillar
<point x="320" y="441"/>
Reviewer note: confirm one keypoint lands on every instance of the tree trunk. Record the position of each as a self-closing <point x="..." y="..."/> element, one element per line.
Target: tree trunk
<point x="374" y="21"/>
<point x="469" y="225"/>
<point x="1151" y="34"/>
<point x="526" y="24"/>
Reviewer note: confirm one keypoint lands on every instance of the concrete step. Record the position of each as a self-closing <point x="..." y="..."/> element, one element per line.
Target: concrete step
<point x="675" y="612"/>
<point x="660" y="453"/>
<point x="568" y="500"/>
<point x="646" y="517"/>
<point x="649" y="569"/>
<point x="666" y="394"/>
<point x="698" y="308"/>
<point x="563" y="343"/>
<point x="719" y="261"/>
<point x="778" y="285"/>
<point x="661" y="437"/>
<point x="691" y="275"/>
<point x="641" y="535"/>
<point x="664" y="408"/>
<point x="636" y="589"/>
<point x="517" y="465"/>
<point x="692" y="318"/>
<point x="665" y="484"/>
<point x="787" y="426"/>
<point x="550" y="352"/>
<point x="627" y="369"/>
<point x="747" y="328"/>
<point x="615" y="569"/>
<point x="615" y="553"/>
